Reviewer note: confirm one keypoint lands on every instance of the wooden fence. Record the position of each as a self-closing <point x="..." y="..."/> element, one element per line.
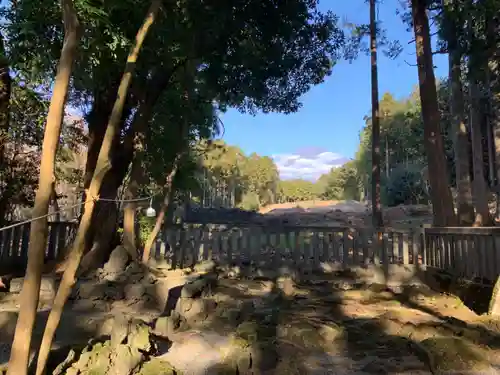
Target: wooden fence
<point x="14" y="242"/>
<point x="183" y="246"/>
<point x="469" y="252"/>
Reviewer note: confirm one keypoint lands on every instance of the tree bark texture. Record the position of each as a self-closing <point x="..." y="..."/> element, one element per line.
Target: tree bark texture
<point x="19" y="357"/>
<point x="376" y="199"/>
<point x="465" y="208"/>
<point x="441" y="197"/>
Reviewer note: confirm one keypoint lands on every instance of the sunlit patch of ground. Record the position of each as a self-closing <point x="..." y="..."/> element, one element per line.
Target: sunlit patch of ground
<point x="320" y="330"/>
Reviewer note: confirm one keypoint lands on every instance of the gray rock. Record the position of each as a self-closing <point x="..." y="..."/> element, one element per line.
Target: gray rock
<point x="119" y="331"/>
<point x="199" y="287"/>
<point x="134" y="291"/>
<point x="113" y="292"/>
<point x="90" y="291"/>
<point x="183" y="305"/>
<point x="48" y="285"/>
<point x="139" y="336"/>
<point x="124" y="360"/>
<point x="208" y="353"/>
<point x="199" y="310"/>
<point x="117" y="261"/>
<point x="205" y="266"/>
<point x="165" y="326"/>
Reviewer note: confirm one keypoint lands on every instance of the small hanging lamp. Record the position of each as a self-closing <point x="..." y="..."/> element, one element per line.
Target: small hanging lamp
<point x="150" y="212"/>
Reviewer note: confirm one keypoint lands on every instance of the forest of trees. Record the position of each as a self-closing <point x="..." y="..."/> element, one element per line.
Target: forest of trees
<point x="151" y="80"/>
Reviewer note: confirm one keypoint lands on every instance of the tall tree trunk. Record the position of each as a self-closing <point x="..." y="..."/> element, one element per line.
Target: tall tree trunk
<point x="169" y="190"/>
<point x="465" y="208"/>
<point x="5" y="92"/>
<point x="102" y="167"/>
<point x="480" y="196"/>
<point x="19" y="357"/>
<point x="376" y="200"/>
<point x="442" y="200"/>
<point x="140" y="126"/>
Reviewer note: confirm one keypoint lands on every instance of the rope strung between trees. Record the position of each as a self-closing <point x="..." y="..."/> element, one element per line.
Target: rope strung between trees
<point x="77" y="205"/>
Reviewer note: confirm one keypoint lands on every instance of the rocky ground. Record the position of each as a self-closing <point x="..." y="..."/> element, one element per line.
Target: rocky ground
<point x="127" y="319"/>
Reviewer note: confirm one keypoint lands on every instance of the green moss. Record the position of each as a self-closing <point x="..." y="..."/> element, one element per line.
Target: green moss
<point x="447" y="354"/>
<point x="157" y="367"/>
<point x="248" y="331"/>
<point x="139" y="338"/>
<point x="224" y="369"/>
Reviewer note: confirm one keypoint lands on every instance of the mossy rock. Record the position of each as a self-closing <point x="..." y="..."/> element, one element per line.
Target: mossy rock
<point x="302" y="334"/>
<point x="453" y="354"/>
<point x="238" y="360"/>
<point x="238" y="342"/>
<point x="249" y="331"/>
<point x="139" y="337"/>
<point x="157" y="367"/>
<point x="224" y="369"/>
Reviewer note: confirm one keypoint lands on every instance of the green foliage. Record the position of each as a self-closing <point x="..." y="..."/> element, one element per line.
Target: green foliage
<point x="406" y="186"/>
<point x="402" y="144"/>
<point x="201" y="58"/>
<point x="250" y="201"/>
<point x="254" y="178"/>
<point x="146" y="225"/>
<point x="22" y="151"/>
<point x="342" y="183"/>
<point x="252" y="55"/>
<point x="297" y="190"/>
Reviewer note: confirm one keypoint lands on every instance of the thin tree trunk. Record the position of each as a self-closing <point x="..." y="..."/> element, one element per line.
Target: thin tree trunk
<point x="130" y="209"/>
<point x="480" y="196"/>
<point x="441" y="197"/>
<point x="55" y="203"/>
<point x="102" y="167"/>
<point x="136" y="174"/>
<point x="159" y="219"/>
<point x="19" y="357"/>
<point x="465" y="208"/>
<point x="376" y="200"/>
<point x="5" y="93"/>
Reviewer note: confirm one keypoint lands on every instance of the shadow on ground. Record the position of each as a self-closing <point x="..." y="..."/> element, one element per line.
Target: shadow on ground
<point x="315" y="323"/>
<point x="316" y="327"/>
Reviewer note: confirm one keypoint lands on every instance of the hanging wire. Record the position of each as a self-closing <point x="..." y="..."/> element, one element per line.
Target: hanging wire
<point x="77" y="205"/>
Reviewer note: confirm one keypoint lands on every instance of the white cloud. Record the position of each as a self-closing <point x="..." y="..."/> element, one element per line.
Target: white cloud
<point x="307" y="165"/>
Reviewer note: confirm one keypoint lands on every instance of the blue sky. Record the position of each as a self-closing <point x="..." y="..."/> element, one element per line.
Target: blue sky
<point x="324" y="132"/>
